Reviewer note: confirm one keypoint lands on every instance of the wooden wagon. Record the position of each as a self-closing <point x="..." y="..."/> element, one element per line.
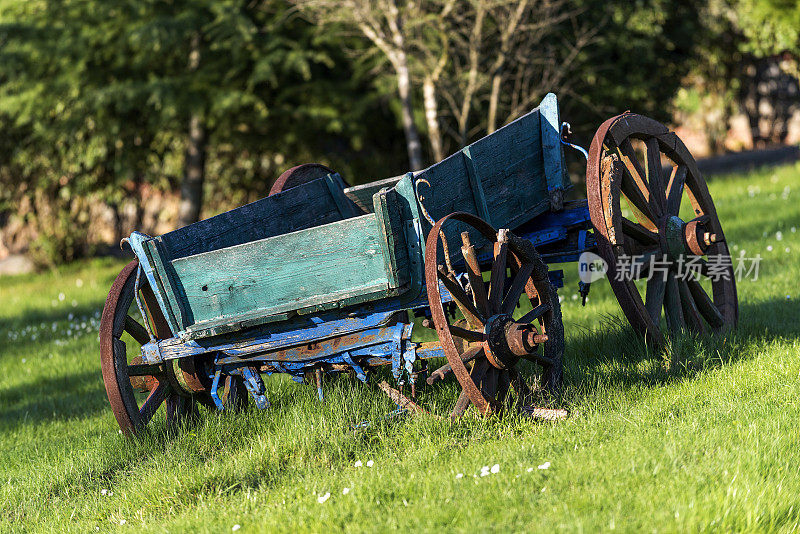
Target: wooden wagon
<point x="320" y="278"/>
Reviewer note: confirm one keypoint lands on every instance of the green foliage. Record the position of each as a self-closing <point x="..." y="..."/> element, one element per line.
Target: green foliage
<point x="96" y="95"/>
<point x="638" y="60"/>
<point x="771" y="26"/>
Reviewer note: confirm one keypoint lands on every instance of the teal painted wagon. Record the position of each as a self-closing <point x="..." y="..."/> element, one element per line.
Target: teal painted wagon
<point x="319" y="278"/>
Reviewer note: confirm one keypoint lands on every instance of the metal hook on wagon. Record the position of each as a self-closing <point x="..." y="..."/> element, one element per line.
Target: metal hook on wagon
<point x="428" y="217"/>
<point x="566" y="130"/>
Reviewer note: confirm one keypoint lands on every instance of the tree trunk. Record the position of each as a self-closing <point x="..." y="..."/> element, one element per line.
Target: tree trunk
<point x="491" y="121"/>
<point x="194" y="164"/>
<point x="432" y="118"/>
<point x="193" y="173"/>
<point x="412" y="136"/>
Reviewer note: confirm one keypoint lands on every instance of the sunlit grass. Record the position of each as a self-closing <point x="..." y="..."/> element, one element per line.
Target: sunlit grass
<point x="703" y="437"/>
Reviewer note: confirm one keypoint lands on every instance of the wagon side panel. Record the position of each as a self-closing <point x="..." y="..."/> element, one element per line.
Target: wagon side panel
<point x="297" y="208"/>
<point x="509" y="165"/>
<point x="334" y="263"/>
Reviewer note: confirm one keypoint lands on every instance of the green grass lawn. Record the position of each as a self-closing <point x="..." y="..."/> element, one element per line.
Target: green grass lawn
<point x="704" y="437"/>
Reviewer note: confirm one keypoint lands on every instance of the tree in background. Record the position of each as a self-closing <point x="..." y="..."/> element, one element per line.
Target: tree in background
<point x="477" y="64"/>
<point x="771" y="26"/>
<point x="387" y="25"/>
<point x="771" y="46"/>
<point x="746" y="62"/>
<point x="100" y="99"/>
<point x="481" y="63"/>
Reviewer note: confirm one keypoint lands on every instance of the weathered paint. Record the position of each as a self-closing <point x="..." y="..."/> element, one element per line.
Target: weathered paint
<point x="329" y="263"/>
<point x="278" y="256"/>
<point x="294" y="209"/>
<point x="553" y="151"/>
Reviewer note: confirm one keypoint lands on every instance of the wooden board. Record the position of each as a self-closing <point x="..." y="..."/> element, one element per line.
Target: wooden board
<point x="361" y="195"/>
<point x="328" y="264"/>
<point x="312" y="204"/>
<point x="505" y="178"/>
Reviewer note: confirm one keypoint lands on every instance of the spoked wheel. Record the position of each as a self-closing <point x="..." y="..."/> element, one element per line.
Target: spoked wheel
<point x="299" y="175"/>
<point x="136" y="390"/>
<point x="483" y="353"/>
<point x="666" y="231"/>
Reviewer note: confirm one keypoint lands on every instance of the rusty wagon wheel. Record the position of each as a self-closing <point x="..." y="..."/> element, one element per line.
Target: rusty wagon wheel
<point x="497" y="335"/>
<point x="137" y="390"/>
<point x="666" y="227"/>
<point x="299" y="175"/>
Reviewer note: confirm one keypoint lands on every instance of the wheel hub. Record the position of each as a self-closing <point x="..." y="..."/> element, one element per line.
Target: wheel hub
<point x="673" y="233"/>
<point x="507" y="341"/>
<point x="681" y="237"/>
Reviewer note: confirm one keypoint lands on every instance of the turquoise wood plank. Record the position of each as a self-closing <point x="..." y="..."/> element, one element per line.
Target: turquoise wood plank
<point x="393" y="244"/>
<point x="337" y="263"/>
<point x="411" y="218"/>
<point x="166" y="286"/>
<point x="362" y="194"/>
<point x="552" y="150"/>
<point x="294" y="209"/>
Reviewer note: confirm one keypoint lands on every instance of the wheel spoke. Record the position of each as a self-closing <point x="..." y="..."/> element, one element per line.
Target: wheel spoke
<point x="634" y="187"/>
<point x="639" y="233"/>
<point x="489" y="384"/>
<point x="637" y="172"/>
<point x="517" y="287"/>
<point x="705" y="305"/>
<point x="474" y="274"/>
<point x="137" y="331"/>
<point x="154" y="400"/>
<point x="538" y="358"/>
<point x="637" y="201"/>
<point x="654" y="297"/>
<point x="640" y="265"/>
<point x="675" y="189"/>
<point x="503" y="383"/>
<point x="442" y="372"/>
<point x="535" y="313"/>
<point x="672" y="305"/>
<point x="469" y="335"/>
<point x="461" y="405"/>
<point x="498" y="281"/>
<point x="655" y="179"/>
<point x="464" y="302"/>
<point x="162" y="330"/>
<point x="144" y="369"/>
<point x="690" y="312"/>
<point x="523" y="391"/>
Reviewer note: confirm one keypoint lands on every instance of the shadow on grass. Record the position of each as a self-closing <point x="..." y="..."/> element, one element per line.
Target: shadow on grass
<point x="71" y="395"/>
<point x="613" y="356"/>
